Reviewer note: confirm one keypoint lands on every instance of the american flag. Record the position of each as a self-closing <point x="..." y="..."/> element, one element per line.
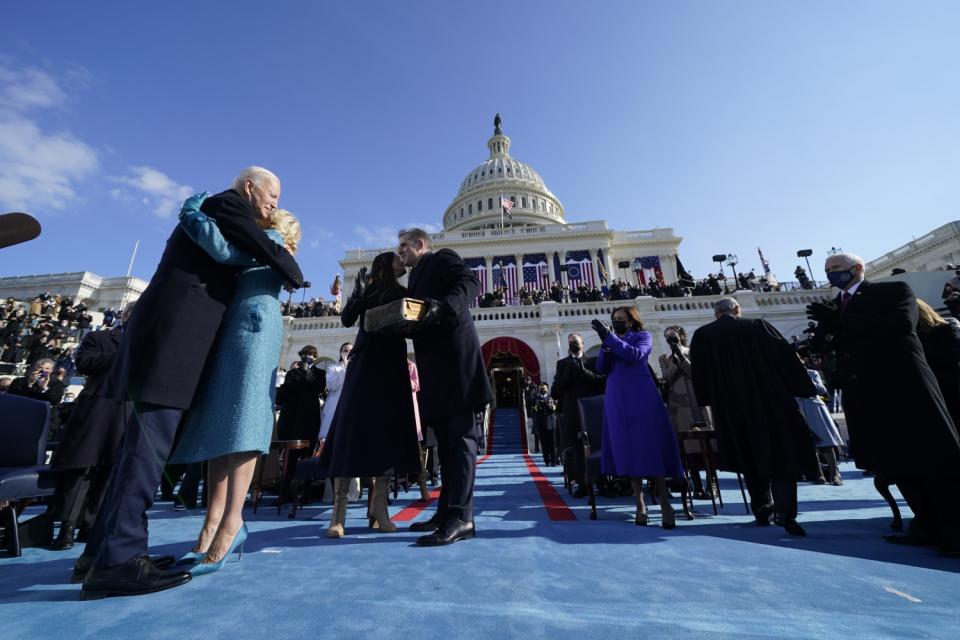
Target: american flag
<point x="479" y="268"/>
<point x="507" y="205"/>
<point x="536" y="272"/>
<point x="505" y="275"/>
<point x="579" y="269"/>
<point x="648" y="269"/>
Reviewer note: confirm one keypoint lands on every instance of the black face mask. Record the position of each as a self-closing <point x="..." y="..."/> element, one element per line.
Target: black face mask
<point x="574" y="347"/>
<point x="620" y="326"/>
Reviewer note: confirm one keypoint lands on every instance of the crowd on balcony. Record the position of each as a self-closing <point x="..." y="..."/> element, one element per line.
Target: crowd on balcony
<point x="313" y="308"/>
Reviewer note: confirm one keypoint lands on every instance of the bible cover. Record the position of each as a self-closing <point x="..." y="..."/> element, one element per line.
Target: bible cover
<point x="400" y="316"/>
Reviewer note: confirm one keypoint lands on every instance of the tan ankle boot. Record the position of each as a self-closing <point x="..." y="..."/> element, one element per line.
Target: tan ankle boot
<point x="339" y="515"/>
<point x="380" y="518"/>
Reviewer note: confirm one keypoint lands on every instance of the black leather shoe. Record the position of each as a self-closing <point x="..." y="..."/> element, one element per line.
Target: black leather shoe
<point x="910" y="539"/>
<point x="64" y="539"/>
<point x="451" y="531"/>
<point x="132" y="578"/>
<point x="427" y="525"/>
<point x="763" y="517"/>
<point x="950" y="549"/>
<point x="84" y="562"/>
<point x="793" y="528"/>
<point x="580" y="492"/>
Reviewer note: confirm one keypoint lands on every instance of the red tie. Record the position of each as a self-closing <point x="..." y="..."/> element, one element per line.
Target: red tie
<point x="845" y="300"/>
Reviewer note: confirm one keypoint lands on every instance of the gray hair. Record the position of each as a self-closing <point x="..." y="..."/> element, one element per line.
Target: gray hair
<point x="725" y="306"/>
<point x="257" y="175"/>
<point x="849" y="259"/>
<point x="42" y="361"/>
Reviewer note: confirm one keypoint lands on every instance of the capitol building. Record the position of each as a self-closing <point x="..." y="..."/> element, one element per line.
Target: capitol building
<point x="536" y="245"/>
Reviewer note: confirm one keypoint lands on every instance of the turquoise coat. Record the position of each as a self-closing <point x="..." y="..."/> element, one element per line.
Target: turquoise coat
<point x="232" y="411"/>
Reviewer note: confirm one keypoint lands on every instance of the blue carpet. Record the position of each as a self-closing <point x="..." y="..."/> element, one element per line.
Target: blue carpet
<point x="524" y="576"/>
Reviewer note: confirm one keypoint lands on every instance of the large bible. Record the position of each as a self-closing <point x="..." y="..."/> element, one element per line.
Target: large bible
<point x="400" y="316"/>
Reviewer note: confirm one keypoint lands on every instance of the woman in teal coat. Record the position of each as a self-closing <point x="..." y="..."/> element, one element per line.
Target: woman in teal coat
<point x="231" y="419"/>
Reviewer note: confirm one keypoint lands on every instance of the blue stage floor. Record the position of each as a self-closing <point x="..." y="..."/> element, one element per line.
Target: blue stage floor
<point x="525" y="575"/>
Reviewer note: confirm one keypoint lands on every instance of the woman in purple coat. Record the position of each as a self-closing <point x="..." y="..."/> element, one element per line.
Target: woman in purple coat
<point x="638" y="439"/>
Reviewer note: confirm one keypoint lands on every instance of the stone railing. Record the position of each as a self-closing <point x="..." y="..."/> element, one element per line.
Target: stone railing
<point x="945" y="232"/>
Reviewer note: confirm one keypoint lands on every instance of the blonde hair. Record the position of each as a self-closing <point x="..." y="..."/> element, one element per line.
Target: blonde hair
<point x="288" y="226"/>
<point x="928" y="317"/>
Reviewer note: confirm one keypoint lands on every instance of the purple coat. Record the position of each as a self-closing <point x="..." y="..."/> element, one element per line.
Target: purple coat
<point x="638" y="439"/>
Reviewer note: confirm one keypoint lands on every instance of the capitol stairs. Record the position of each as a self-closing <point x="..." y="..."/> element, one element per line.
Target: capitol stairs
<point x="538" y="569"/>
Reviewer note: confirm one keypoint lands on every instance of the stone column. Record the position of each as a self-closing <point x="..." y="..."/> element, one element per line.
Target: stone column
<point x="489" y="260"/>
<point x="593" y="266"/>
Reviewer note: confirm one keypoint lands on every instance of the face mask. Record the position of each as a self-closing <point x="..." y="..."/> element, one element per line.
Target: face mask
<point x="620" y="326"/>
<point x="574" y="347"/>
<point x="840" y="279"/>
<point x="307" y="359"/>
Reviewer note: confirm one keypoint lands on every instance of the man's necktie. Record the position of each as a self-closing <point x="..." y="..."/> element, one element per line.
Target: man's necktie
<point x="844" y="300"/>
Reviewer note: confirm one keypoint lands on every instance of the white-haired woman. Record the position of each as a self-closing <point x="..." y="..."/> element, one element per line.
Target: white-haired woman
<point x="231" y="419"/>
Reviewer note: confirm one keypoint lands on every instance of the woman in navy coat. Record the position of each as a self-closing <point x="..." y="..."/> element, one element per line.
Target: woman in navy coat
<point x="638" y="439"/>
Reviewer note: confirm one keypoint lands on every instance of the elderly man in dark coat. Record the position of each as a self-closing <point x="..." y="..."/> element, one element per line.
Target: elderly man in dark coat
<point x="749" y="375"/>
<point x="90" y="438"/>
<point x="899" y="424"/>
<point x="159" y="366"/>
<point x="453" y="382"/>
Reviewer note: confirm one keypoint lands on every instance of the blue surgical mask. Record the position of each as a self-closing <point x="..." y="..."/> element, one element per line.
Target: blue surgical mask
<point x="840" y="279"/>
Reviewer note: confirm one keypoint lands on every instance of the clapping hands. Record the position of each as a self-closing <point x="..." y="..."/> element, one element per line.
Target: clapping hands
<point x="602" y="330"/>
<point x="361" y="284"/>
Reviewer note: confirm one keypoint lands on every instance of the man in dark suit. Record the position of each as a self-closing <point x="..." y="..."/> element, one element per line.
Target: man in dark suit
<point x="453" y="381"/>
<point x="749" y="375"/>
<point x="900" y="427"/>
<point x="575" y="378"/>
<point x="161" y="358"/>
<point x="90" y="438"/>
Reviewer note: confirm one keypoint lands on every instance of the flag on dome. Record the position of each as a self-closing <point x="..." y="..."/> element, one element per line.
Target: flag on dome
<point x="648" y="270"/>
<point x="506" y="205"/>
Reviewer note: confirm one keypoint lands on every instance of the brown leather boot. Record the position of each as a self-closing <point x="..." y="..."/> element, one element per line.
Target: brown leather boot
<point x="379" y="516"/>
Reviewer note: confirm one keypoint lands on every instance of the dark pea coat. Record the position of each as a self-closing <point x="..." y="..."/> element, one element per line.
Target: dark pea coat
<point x="173" y="327"/>
<point x="750" y="376"/>
<point x="575" y="378"/>
<point x="374" y="429"/>
<point x="299" y="400"/>
<point x="453" y="380"/>
<point x="92" y="435"/>
<point x="898" y="421"/>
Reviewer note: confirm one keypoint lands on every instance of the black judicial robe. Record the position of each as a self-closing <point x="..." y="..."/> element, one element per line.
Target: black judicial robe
<point x="750" y="376"/>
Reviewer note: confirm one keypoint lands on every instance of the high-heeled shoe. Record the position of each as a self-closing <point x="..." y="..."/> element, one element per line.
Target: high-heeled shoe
<point x="236" y="545"/>
<point x="640" y="519"/>
<point x="190" y="558"/>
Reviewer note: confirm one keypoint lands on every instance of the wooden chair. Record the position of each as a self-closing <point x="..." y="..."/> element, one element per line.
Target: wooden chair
<point x="591" y="418"/>
<point x="709" y="446"/>
<point x="272" y="467"/>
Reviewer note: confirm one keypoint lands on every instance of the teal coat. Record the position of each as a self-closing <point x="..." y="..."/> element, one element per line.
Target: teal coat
<point x="232" y="411"/>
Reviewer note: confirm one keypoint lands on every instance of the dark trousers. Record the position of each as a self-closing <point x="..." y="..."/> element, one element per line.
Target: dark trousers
<point x="189" y="485"/>
<point x="457" y="440"/>
<point x="778" y="495"/>
<point x="79" y="495"/>
<point x="120" y="533"/>
<point x="569" y="439"/>
<point x="548" y="442"/>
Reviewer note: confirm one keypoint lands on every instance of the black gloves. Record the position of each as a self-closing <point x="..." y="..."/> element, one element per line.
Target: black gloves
<point x="434" y="313"/>
<point x="826" y="315"/>
<point x="602" y="330"/>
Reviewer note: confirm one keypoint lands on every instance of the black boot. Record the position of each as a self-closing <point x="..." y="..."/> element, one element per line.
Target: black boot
<point x="64" y="539"/>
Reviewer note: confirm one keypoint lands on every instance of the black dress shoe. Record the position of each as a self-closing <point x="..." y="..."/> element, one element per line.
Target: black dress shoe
<point x="64" y="539"/>
<point x="762" y="517"/>
<point x="427" y="525"/>
<point x="132" y="578"/>
<point x="950" y="549"/>
<point x="792" y="527"/>
<point x="84" y="562"/>
<point x="451" y="531"/>
<point x="82" y="535"/>
<point x="910" y="539"/>
<point x="580" y="492"/>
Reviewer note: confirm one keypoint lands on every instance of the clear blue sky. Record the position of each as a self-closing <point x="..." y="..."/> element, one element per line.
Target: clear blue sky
<point x="784" y="125"/>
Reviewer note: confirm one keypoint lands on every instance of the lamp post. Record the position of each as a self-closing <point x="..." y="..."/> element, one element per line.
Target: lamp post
<point x="732" y="261"/>
<point x="719" y="258"/>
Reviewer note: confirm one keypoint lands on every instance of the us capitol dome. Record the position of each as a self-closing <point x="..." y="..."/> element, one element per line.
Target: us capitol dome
<point x="477" y="205"/>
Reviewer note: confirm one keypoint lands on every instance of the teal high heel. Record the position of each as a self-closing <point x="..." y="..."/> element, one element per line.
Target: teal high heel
<point x="191" y="558"/>
<point x="236" y="545"/>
